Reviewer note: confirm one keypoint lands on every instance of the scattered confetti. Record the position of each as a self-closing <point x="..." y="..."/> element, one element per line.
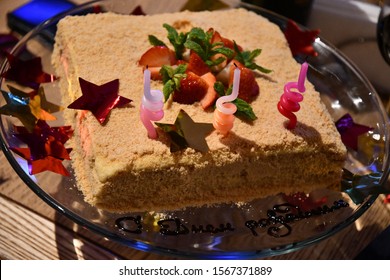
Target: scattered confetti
<point x="99" y="99"/>
<point x="300" y="41"/>
<point x="350" y="131"/>
<point x="27" y="72"/>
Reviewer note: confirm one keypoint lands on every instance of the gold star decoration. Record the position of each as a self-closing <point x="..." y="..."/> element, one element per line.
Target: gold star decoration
<point x="28" y="107"/>
<point x="185" y="133"/>
<point x="18" y="107"/>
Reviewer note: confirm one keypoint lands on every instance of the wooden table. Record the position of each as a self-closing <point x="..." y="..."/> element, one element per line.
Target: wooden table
<point x="30" y="229"/>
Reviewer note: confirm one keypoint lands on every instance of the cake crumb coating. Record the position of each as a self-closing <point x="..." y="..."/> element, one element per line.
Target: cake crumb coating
<point x="119" y="168"/>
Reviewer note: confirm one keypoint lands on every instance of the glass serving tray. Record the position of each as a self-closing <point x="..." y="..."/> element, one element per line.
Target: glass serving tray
<point x="261" y="228"/>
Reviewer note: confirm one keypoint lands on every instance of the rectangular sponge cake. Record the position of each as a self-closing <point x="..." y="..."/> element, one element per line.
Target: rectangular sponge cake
<point x="119" y="168"/>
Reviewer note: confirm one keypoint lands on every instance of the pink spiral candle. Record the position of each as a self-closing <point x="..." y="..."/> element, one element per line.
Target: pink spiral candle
<point x="289" y="101"/>
<point x="224" y="113"/>
<point x="151" y="106"/>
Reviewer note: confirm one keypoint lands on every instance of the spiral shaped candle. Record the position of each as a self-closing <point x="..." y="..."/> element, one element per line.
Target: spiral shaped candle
<point x="151" y="106"/>
<point x="289" y="101"/>
<point x="224" y="113"/>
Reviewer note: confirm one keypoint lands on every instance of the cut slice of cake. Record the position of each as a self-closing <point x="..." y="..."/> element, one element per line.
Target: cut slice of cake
<point x="119" y="168"/>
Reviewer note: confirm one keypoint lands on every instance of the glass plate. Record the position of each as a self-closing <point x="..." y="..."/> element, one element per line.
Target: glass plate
<point x="261" y="228"/>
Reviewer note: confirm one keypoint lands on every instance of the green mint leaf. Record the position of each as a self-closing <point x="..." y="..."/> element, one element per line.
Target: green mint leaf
<point x="166" y="73"/>
<point x="171" y="78"/>
<point x="219" y="88"/>
<point x="196" y="47"/>
<point x="253" y="54"/>
<point x="244" y="110"/>
<point x="197" y="34"/>
<point x="181" y="69"/>
<point x="223" y="50"/>
<point x="154" y="41"/>
<point x="247" y="58"/>
<point x="168" y="89"/>
<point x="261" y="69"/>
<point x="177" y="40"/>
<point x="215" y="61"/>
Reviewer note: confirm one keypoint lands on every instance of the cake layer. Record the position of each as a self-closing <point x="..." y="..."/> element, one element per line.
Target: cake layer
<point x="120" y="169"/>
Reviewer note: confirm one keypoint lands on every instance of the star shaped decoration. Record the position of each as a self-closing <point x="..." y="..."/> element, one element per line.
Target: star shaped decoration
<point x="27" y="72"/>
<point x="99" y="99"/>
<point x="350" y="131"/>
<point x="359" y="187"/>
<point x="46" y="149"/>
<point x="386" y="200"/>
<point x="28" y="107"/>
<point x="185" y="133"/>
<point x="46" y="105"/>
<point x="138" y="11"/>
<point x="304" y="202"/>
<point x="45" y="164"/>
<point x="39" y="106"/>
<point x="7" y="42"/>
<point x="18" y="107"/>
<point x="300" y="41"/>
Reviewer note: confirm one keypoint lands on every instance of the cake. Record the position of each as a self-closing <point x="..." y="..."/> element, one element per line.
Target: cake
<point x="119" y="168"/>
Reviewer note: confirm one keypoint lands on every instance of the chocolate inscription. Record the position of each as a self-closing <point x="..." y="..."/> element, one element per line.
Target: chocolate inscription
<point x="176" y="227"/>
<point x="281" y="215"/>
<point x="277" y="222"/>
<point x="130" y="224"/>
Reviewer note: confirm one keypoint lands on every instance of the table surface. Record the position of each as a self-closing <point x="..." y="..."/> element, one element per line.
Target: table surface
<point x="30" y="229"/>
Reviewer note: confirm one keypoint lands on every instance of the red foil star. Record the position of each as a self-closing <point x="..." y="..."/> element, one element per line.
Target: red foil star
<point x="7" y="42"/>
<point x="46" y="149"/>
<point x="138" y="11"/>
<point x="27" y="72"/>
<point x="350" y="131"/>
<point x="304" y="202"/>
<point x="300" y="41"/>
<point x="45" y="164"/>
<point x="100" y="100"/>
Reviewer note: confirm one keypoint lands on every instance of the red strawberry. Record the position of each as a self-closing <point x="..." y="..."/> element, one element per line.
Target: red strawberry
<point x="192" y="89"/>
<point x="211" y="94"/>
<point x="155" y="73"/>
<point x="249" y="89"/>
<point x="158" y="56"/>
<point x="226" y="42"/>
<point x="197" y="65"/>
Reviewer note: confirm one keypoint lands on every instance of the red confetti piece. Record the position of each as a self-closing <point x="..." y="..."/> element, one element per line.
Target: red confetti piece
<point x="138" y="11"/>
<point x="350" y="131"/>
<point x="304" y="202"/>
<point x="7" y="42"/>
<point x="45" y="164"/>
<point x="46" y="149"/>
<point x="99" y="100"/>
<point x="300" y="41"/>
<point x="27" y="72"/>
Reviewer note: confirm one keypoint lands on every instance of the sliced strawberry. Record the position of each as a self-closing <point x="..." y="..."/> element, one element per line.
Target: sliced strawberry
<point x="158" y="56"/>
<point x="226" y="42"/>
<point x="197" y="65"/>
<point x="249" y="89"/>
<point x="211" y="94"/>
<point x="192" y="89"/>
<point x="155" y="73"/>
<point x="216" y="38"/>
